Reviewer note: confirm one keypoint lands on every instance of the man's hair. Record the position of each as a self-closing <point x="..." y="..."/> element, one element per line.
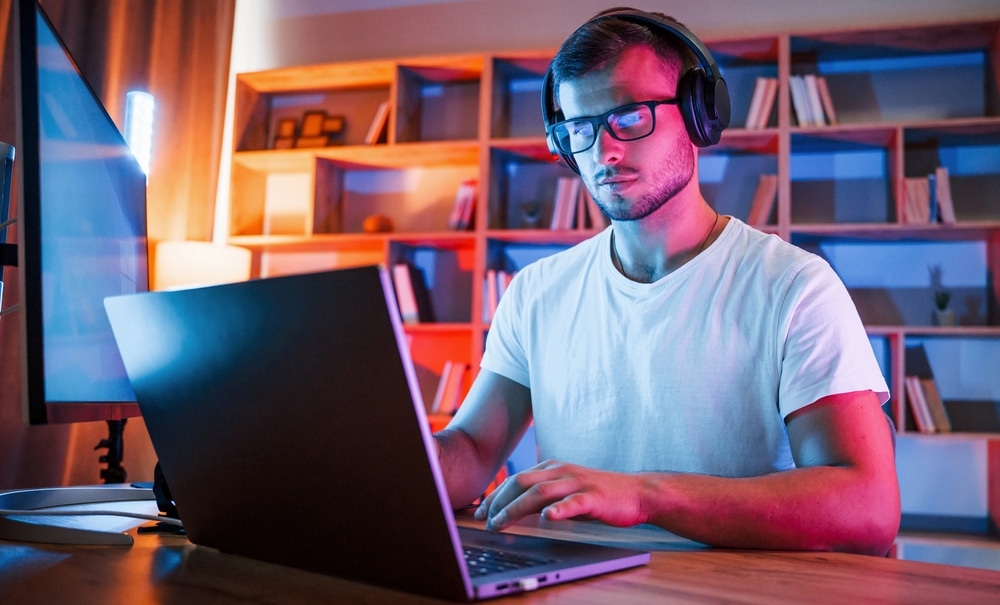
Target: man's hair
<point x="602" y="40"/>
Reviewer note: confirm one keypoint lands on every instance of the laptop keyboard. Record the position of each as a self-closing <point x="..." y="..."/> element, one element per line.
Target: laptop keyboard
<point x="484" y="561"/>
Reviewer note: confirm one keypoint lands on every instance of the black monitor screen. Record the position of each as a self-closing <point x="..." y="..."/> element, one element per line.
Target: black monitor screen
<point x="83" y="219"/>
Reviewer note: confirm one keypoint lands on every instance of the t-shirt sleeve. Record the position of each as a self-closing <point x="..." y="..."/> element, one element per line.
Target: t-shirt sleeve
<point x="505" y="354"/>
<point x="826" y="348"/>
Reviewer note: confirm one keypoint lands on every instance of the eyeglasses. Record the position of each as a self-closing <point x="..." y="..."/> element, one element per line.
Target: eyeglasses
<point x="625" y="123"/>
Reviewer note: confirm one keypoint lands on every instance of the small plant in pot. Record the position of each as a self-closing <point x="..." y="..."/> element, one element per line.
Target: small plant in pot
<point x="943" y="316"/>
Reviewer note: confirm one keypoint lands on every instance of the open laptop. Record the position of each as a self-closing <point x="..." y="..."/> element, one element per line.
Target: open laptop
<point x="288" y="423"/>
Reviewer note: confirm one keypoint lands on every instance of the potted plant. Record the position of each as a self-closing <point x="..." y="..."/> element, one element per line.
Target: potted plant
<point x="943" y="316"/>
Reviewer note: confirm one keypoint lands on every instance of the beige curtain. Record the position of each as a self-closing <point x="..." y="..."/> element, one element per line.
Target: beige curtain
<point x="179" y="51"/>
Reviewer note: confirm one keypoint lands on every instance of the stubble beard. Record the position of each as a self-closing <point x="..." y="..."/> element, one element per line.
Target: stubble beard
<point x="676" y="169"/>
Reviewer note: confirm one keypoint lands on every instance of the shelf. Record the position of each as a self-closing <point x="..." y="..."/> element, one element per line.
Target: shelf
<point x="934" y="331"/>
<point x="962" y="231"/>
<point x="402" y="155"/>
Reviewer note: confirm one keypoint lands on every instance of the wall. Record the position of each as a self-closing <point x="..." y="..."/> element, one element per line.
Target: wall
<point x="280" y="33"/>
<point x="298" y="32"/>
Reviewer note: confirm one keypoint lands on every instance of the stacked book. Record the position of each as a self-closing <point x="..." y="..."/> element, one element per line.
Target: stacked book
<point x="574" y="208"/>
<point x="928" y="199"/>
<point x="811" y="100"/>
<point x="495" y="284"/>
<point x="448" y="395"/>
<point x="762" y="103"/>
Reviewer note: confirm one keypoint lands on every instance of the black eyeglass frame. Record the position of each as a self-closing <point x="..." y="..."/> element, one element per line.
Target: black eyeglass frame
<point x="602" y="120"/>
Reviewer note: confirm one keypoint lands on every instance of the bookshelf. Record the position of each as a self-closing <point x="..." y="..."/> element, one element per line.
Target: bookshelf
<point x="907" y="100"/>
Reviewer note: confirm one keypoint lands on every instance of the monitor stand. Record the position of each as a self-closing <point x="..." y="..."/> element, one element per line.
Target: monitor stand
<point x="35" y="499"/>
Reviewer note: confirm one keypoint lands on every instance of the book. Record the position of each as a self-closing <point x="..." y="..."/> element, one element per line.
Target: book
<point x="756" y="101"/>
<point x="918" y="404"/>
<point x="824" y="95"/>
<point x="945" y="205"/>
<point x="411" y="293"/>
<point x="565" y="203"/>
<point x="448" y="395"/>
<point x="763" y="200"/>
<point x="762" y="103"/>
<point x="918" y="367"/>
<point x="495" y="283"/>
<point x="491" y="295"/>
<point x="763" y="117"/>
<point x="800" y="100"/>
<point x="935" y="405"/>
<point x="917" y="205"/>
<point x="503" y="281"/>
<point x="815" y="102"/>
<point x="463" y="209"/>
<point x="379" y="122"/>
<point x="932" y="205"/>
<point x="442" y="384"/>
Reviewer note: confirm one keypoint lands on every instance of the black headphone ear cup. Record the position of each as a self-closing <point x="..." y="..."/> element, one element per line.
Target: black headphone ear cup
<point x="704" y="106"/>
<point x="691" y="91"/>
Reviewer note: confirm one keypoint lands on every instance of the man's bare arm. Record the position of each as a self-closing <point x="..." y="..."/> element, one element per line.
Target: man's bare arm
<point x="843" y="495"/>
<point x="489" y="424"/>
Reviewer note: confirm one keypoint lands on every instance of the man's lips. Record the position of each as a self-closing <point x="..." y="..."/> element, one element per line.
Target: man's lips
<point x="615" y="180"/>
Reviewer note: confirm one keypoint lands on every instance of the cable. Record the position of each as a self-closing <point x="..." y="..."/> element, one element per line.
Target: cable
<point x="78" y="513"/>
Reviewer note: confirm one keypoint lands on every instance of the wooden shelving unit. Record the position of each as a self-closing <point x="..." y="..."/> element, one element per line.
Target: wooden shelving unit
<point x="907" y="100"/>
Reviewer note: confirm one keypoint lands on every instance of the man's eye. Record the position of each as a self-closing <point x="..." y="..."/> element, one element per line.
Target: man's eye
<point x="627" y="120"/>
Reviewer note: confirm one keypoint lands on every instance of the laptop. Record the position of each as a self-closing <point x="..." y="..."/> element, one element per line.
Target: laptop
<point x="289" y="425"/>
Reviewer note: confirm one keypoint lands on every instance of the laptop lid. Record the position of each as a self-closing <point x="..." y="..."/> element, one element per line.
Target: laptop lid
<point x="287" y="420"/>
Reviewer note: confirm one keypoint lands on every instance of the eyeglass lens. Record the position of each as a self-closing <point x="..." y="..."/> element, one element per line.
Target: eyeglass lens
<point x="624" y="123"/>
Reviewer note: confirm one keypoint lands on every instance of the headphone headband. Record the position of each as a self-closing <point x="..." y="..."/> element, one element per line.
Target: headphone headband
<point x="680" y="32"/>
<point x="704" y="94"/>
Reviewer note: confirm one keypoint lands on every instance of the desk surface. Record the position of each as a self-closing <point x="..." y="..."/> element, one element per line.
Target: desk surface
<point x="164" y="569"/>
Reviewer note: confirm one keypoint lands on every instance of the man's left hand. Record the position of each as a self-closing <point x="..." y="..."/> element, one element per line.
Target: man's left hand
<point x="563" y="491"/>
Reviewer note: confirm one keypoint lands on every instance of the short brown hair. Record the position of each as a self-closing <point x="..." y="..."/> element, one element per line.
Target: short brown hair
<point x="604" y="37"/>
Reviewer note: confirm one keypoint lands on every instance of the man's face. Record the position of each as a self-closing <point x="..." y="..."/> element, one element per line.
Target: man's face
<point x="631" y="179"/>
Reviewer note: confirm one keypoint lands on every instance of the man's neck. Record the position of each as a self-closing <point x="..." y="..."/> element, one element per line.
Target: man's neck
<point x="652" y="248"/>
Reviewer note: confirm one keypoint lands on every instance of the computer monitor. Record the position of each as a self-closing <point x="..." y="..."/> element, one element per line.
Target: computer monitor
<point x="81" y="219"/>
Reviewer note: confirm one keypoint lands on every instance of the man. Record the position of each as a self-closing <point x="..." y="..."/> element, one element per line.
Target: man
<point x="681" y="368"/>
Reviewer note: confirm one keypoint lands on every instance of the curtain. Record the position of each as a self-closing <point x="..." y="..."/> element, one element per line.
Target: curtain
<point x="177" y="50"/>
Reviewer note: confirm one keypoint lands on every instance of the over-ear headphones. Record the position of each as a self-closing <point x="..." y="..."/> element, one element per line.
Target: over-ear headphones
<point x="703" y="94"/>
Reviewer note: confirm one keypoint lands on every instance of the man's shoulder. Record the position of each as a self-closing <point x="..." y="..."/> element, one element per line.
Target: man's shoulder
<point x="572" y="257"/>
<point x="757" y="245"/>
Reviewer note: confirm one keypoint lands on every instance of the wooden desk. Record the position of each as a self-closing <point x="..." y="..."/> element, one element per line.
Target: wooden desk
<point x="159" y="569"/>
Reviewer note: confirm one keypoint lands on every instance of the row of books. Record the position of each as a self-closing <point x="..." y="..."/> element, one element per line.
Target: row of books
<point x="574" y="208"/>
<point x="811" y="100"/>
<point x="463" y="210"/>
<point x="765" y="90"/>
<point x="412" y="295"/>
<point x="929" y="413"/>
<point x="928" y="199"/>
<point x="448" y="395"/>
<point x="495" y="283"/>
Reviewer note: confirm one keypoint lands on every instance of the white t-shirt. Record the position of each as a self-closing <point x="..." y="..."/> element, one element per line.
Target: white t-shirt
<point x="692" y="373"/>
